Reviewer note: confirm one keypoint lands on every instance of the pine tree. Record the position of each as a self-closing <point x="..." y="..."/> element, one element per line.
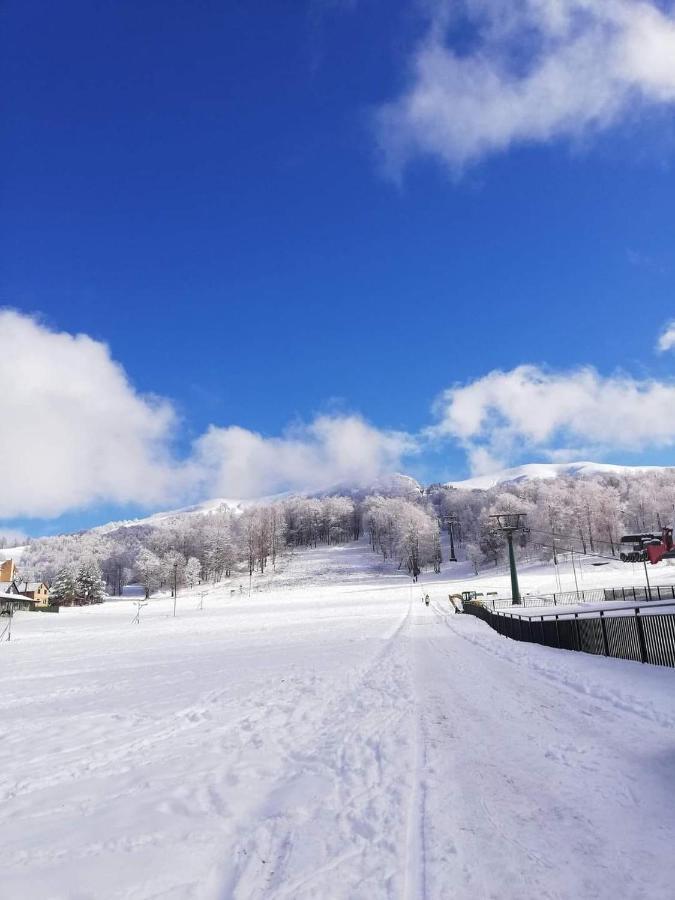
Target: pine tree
<point x="90" y="584"/>
<point x="64" y="587"/>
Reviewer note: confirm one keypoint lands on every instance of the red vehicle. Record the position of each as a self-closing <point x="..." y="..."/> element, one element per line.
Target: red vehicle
<point x="649" y="547"/>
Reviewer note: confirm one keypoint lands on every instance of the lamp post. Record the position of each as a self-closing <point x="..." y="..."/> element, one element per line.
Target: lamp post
<point x="510" y="524"/>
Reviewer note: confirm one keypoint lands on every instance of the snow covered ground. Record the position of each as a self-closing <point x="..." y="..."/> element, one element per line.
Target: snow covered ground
<point x="537" y="578"/>
<point x="327" y="737"/>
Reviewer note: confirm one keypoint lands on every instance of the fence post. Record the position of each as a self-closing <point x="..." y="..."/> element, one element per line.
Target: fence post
<point x="557" y="631"/>
<point x="576" y="631"/>
<point x="605" y="643"/>
<point x="641" y="635"/>
<point x="543" y="635"/>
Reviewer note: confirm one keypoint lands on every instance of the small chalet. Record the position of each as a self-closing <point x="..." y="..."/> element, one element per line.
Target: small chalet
<point x="36" y="591"/>
<point x="34" y="594"/>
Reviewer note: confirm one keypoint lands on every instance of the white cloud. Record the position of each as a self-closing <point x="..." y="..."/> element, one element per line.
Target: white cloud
<point x="75" y="432"/>
<point x="504" y="414"/>
<point x="667" y="338"/>
<point x="537" y="70"/>
<point x="235" y="462"/>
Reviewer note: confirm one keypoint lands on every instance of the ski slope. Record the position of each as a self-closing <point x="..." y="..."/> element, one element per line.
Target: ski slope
<point x="327" y="737"/>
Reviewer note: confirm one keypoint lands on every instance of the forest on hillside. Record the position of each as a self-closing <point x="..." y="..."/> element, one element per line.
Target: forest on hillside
<point x="404" y="526"/>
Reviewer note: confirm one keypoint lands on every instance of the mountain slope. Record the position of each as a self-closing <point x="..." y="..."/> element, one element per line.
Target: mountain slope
<point x="395" y="485"/>
<point x="532" y="471"/>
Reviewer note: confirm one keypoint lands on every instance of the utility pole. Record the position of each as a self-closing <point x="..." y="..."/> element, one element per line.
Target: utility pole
<point x="175" y="580"/>
<point x="510" y="524"/>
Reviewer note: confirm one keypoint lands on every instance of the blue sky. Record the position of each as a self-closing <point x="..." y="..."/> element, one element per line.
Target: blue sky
<point x="216" y="191"/>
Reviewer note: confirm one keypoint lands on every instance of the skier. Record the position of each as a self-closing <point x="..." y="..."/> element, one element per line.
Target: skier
<point x="426" y="599"/>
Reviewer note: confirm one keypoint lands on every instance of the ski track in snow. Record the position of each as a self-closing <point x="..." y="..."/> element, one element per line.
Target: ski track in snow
<point x="330" y="738"/>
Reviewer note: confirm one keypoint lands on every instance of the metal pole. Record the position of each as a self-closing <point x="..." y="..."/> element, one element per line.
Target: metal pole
<point x="515" y="593"/>
<point x="649" y="587"/>
<point x="175" y="574"/>
<point x="575" y="572"/>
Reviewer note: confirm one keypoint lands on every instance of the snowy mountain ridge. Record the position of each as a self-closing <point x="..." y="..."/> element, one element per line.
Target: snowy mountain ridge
<point x="390" y="485"/>
<point x="533" y="471"/>
<point x="396" y="484"/>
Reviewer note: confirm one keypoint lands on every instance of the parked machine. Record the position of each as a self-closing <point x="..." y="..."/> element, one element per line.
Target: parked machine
<point x="649" y="547"/>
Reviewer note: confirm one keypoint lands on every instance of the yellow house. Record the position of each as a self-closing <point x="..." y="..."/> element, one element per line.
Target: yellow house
<point x="35" y="590"/>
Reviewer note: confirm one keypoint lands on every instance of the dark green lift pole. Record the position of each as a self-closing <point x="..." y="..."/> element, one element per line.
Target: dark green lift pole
<point x="510" y="524"/>
<point x="515" y="593"/>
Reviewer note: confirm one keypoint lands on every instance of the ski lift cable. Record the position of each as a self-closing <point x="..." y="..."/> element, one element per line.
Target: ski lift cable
<point x="570" y="550"/>
<point x="573" y="537"/>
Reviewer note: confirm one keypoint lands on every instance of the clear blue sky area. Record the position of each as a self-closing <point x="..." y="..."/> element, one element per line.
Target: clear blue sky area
<point x="197" y="184"/>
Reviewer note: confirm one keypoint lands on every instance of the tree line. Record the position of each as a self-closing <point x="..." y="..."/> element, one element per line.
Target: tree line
<point x="587" y="514"/>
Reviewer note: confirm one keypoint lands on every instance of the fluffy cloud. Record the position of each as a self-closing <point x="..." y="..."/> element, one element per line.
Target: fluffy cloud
<point x="76" y="432"/>
<point x="331" y="450"/>
<point x="535" y="71"/>
<point x="504" y="414"/>
<point x="667" y="338"/>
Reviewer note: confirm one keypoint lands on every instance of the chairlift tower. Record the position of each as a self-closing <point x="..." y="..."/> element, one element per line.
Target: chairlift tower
<point x="451" y="522"/>
<point x="510" y="524"/>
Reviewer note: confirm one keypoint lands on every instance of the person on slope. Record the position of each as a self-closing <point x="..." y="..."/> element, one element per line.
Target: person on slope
<point x="426" y="599"/>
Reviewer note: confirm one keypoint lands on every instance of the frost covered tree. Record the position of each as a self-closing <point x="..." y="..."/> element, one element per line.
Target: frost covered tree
<point x="402" y="530"/>
<point x="475" y="556"/>
<point x="90" y="585"/>
<point x="148" y="568"/>
<point x="64" y="587"/>
<point x="193" y="570"/>
<point x="172" y="570"/>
